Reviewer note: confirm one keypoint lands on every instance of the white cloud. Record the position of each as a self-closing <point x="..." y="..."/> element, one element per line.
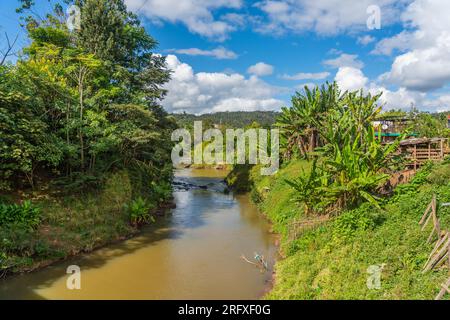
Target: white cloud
<point x="399" y="99"/>
<point x="345" y="60"/>
<point x="196" y="15"/>
<point x="423" y="69"/>
<point x="306" y="76"/>
<point x="328" y="17"/>
<point x="239" y="104"/>
<point x="365" y="40"/>
<point x="440" y="104"/>
<point x="334" y="51"/>
<point x="401" y="42"/>
<point x="261" y="69"/>
<point x="210" y="92"/>
<point x="352" y="79"/>
<point x="218" y="53"/>
<point x="425" y="65"/>
<point x="235" y="19"/>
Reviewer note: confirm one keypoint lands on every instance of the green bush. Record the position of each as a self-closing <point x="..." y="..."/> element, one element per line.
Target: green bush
<point x="139" y="211"/>
<point x="17" y="240"/>
<point x="162" y="191"/>
<point x="25" y="214"/>
<point x="412" y="187"/>
<point x="256" y="196"/>
<point x="366" y="217"/>
<point x="440" y="175"/>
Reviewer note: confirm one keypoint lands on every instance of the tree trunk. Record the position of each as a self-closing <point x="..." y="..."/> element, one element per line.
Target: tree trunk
<point x="68" y="171"/>
<point x="81" y="126"/>
<point x="312" y="140"/>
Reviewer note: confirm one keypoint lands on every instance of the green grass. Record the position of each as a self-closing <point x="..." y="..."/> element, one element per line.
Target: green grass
<point x="331" y="261"/>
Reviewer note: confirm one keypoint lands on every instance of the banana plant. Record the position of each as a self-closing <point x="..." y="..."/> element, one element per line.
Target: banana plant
<point x="300" y="124"/>
<point x="352" y="161"/>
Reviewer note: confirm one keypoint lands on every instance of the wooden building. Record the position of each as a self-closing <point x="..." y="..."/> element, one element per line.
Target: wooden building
<point x="390" y="128"/>
<point x="421" y="150"/>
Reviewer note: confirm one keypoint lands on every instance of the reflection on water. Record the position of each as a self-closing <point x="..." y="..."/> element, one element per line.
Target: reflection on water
<point x="191" y="253"/>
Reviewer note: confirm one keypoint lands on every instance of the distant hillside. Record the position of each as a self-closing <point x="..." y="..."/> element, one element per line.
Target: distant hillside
<point x="238" y="119"/>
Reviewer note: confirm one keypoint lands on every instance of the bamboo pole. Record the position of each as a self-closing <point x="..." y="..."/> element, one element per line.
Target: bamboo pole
<point x="425" y="213"/>
<point x="430" y="237"/>
<point x="445" y="289"/>
<point x="437" y="257"/>
<point x="448" y="253"/>
<point x="436" y="247"/>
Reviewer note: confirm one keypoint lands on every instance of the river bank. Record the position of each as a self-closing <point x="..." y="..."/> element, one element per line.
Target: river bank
<point x="192" y="252"/>
<point x="331" y="261"/>
<point x="71" y="225"/>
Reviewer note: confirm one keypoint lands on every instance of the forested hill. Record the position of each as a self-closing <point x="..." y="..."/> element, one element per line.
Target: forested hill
<point x="237" y="119"/>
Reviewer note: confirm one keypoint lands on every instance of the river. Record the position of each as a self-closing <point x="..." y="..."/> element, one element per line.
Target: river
<point x="193" y="252"/>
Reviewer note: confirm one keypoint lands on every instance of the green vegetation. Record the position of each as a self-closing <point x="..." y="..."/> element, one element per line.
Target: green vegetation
<point x="80" y="110"/>
<point x="68" y="225"/>
<point x="334" y="130"/>
<point x="85" y="160"/>
<point x="431" y="125"/>
<point x="139" y="211"/>
<point x="235" y="121"/>
<point x="423" y="123"/>
<point x="25" y="214"/>
<point x="238" y="119"/>
<point x="331" y="260"/>
<point x="333" y="168"/>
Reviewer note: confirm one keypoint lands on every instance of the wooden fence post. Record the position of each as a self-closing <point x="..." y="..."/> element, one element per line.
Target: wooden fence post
<point x="445" y="289"/>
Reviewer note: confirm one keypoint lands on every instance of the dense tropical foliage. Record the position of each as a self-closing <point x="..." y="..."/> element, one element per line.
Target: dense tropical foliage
<point x="326" y="202"/>
<point x="229" y="119"/>
<point x="84" y="143"/>
<point x="333" y="129"/>
<point x="80" y="104"/>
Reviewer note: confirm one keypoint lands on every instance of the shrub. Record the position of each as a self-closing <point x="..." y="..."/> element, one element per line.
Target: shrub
<point x="162" y="191"/>
<point x="412" y="187"/>
<point x="256" y="196"/>
<point x="17" y="239"/>
<point x="366" y="217"/>
<point x="25" y="214"/>
<point x="139" y="211"/>
<point x="440" y="175"/>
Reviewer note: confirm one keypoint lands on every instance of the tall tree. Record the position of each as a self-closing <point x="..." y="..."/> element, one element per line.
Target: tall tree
<point x="93" y="98"/>
<point x="117" y="37"/>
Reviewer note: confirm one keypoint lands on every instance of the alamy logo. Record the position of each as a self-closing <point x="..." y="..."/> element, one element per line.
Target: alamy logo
<point x="74" y="280"/>
<point x="74" y="18"/>
<point x="374" y="279"/>
<point x="374" y="19"/>
<point x="251" y="145"/>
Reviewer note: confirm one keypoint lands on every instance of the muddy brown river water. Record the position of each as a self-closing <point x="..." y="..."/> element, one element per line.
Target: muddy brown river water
<point x="193" y="252"/>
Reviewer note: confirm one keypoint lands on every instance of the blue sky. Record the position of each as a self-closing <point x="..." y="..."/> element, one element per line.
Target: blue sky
<point x="213" y="44"/>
